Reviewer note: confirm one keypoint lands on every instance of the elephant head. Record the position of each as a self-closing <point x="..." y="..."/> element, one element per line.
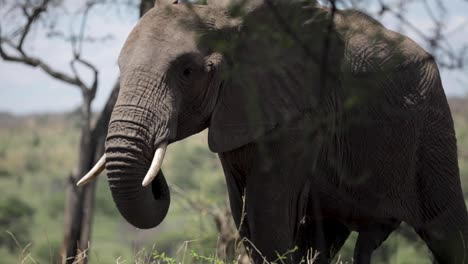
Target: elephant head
<point x="175" y="83"/>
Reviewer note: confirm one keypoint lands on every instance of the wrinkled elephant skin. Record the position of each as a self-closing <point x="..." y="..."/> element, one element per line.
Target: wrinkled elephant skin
<point x="320" y="144"/>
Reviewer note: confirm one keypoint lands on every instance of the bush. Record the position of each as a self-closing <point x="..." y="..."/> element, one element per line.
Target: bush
<point x="15" y="217"/>
<point x="5" y="173"/>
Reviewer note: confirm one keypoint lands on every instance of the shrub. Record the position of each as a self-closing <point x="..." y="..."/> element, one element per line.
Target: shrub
<point x="15" y="217"/>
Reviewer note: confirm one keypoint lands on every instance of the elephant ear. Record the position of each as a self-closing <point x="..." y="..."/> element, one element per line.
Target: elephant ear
<point x="245" y="113"/>
<point x="257" y="98"/>
<point x="271" y="80"/>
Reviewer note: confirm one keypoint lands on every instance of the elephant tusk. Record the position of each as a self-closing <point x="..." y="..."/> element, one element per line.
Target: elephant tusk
<point x="155" y="164"/>
<point x="94" y="172"/>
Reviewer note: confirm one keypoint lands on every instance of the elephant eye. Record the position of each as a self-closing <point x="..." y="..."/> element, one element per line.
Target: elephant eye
<point x="187" y="72"/>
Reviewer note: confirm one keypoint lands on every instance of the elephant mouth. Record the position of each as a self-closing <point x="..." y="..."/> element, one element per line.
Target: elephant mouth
<point x="153" y="170"/>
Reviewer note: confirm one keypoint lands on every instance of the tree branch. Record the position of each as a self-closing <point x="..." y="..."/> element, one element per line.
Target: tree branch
<point x="221" y="217"/>
<point x="31" y="17"/>
<point x="34" y="62"/>
<point x="196" y="204"/>
<point x="453" y="59"/>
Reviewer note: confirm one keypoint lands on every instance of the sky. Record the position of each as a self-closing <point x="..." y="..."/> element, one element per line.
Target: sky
<point x="25" y="90"/>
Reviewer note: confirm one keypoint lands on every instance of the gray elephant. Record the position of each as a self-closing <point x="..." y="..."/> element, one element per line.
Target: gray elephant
<point x="324" y="120"/>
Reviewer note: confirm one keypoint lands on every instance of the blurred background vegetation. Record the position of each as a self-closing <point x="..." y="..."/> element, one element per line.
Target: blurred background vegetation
<point x="38" y="154"/>
<point x="35" y="153"/>
<point x="37" y="150"/>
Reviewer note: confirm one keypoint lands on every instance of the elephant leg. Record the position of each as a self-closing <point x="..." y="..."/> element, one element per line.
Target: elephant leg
<point x="267" y="212"/>
<point x="448" y="246"/>
<point x="272" y="231"/>
<point x="369" y="239"/>
<point x="276" y="176"/>
<point x="446" y="239"/>
<point x="442" y="219"/>
<point x="235" y="182"/>
<point x="325" y="237"/>
<point x="273" y="216"/>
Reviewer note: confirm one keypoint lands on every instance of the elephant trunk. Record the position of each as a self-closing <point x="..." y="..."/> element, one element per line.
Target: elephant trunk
<point x="142" y="121"/>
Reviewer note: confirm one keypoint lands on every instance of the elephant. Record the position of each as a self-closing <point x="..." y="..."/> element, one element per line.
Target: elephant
<point x="324" y="121"/>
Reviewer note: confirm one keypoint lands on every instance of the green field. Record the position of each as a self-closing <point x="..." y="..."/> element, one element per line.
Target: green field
<point x="38" y="153"/>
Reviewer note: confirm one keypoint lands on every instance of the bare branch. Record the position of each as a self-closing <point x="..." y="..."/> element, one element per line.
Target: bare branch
<point x="221" y="216"/>
<point x="91" y="90"/>
<point x="77" y="47"/>
<point x="446" y="55"/>
<point x="196" y="204"/>
<point x="31" y="18"/>
<point x="34" y="62"/>
<point x="22" y="57"/>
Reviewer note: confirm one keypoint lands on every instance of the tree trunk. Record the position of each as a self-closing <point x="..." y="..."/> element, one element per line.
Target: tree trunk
<point x="98" y="137"/>
<point x="226" y="246"/>
<point x="74" y="209"/>
<point x="79" y="204"/>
